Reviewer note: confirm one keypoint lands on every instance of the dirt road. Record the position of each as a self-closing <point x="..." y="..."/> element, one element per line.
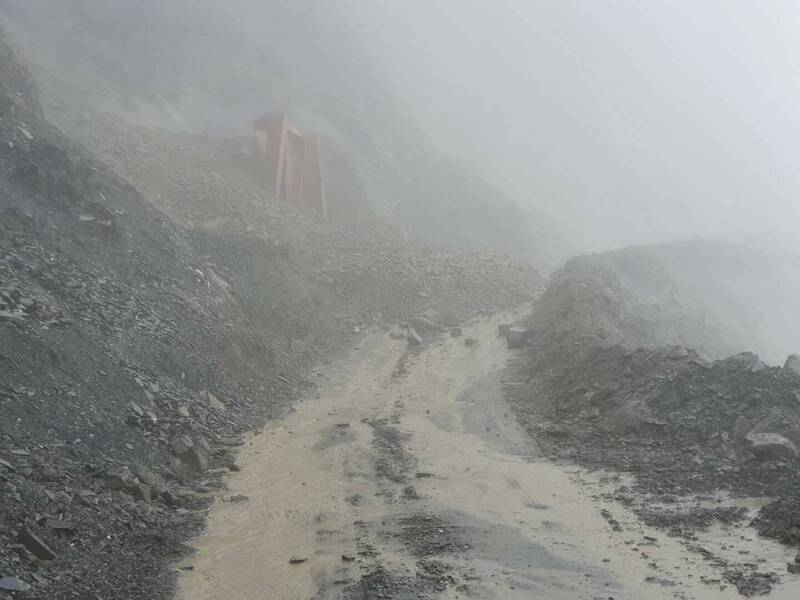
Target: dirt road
<point x="404" y="476"/>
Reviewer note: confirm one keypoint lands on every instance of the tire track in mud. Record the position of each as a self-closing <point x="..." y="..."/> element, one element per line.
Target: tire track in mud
<point x="405" y="477"/>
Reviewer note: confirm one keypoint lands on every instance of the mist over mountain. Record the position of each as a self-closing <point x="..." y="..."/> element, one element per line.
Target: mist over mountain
<point x="631" y="122"/>
<point x="211" y="67"/>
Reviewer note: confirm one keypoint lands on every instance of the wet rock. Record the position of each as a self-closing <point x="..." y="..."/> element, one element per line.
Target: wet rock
<point x="751" y="584"/>
<point x="117" y="481"/>
<point x="741" y="428"/>
<point x="410" y="493"/>
<point x="413" y="337"/>
<point x="59" y="526"/>
<point x="13" y="584"/>
<point x="140" y="492"/>
<point x="432" y="315"/>
<point x="424" y="325"/>
<point x="518" y="338"/>
<point x="771" y="446"/>
<point x="214" y="403"/>
<point x="299" y="347"/>
<point x="35" y="545"/>
<point x="190" y="455"/>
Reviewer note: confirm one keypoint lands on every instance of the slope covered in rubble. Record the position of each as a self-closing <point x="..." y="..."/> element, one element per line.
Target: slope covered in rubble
<point x="164" y="65"/>
<point x="134" y="352"/>
<point x="624" y="372"/>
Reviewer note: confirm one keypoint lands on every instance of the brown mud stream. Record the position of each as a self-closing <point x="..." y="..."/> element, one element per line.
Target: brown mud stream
<point x="404" y="476"/>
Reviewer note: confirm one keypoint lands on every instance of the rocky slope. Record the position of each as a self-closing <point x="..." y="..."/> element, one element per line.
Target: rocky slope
<point x="135" y="349"/>
<point x="205" y="67"/>
<point x="612" y="379"/>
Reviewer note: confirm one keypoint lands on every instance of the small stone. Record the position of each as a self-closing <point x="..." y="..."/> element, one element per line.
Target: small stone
<point x="456" y="332"/>
<point x="413" y="337"/>
<point x="793" y="568"/>
<point x="35" y="545"/>
<point x="771" y="446"/>
<point x="116" y="481"/>
<point x="140" y="492"/>
<point x="470" y="342"/>
<point x="13" y="584"/>
<point x="191" y="456"/>
<point x="792" y="364"/>
<point x="61" y="526"/>
<point x="348" y="558"/>
<point x="299" y="347"/>
<point x="517" y="338"/>
<point x="298" y="560"/>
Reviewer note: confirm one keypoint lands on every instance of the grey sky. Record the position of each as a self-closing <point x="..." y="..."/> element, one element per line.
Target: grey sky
<point x="635" y="121"/>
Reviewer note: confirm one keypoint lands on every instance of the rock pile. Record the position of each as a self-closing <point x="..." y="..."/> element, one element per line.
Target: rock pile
<point x="602" y="384"/>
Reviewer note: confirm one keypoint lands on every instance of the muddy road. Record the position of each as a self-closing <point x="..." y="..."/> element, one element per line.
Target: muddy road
<point x="404" y="475"/>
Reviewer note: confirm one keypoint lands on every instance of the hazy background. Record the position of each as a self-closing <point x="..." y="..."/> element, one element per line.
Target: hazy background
<point x="538" y="128"/>
<point x="631" y="121"/>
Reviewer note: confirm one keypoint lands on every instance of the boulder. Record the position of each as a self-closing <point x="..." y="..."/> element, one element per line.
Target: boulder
<point x="191" y="456"/>
<point x="792" y="364"/>
<point x="771" y="446"/>
<point x="517" y="338"/>
<point x="214" y="403"/>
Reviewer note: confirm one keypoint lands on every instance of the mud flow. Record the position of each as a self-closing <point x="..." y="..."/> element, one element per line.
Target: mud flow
<point x="405" y="476"/>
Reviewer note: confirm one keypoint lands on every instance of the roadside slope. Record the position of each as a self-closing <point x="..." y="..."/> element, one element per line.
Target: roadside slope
<point x="626" y="373"/>
<point x="133" y="353"/>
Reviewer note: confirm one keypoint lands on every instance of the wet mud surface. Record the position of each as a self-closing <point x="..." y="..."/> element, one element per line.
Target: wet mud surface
<point x="405" y="475"/>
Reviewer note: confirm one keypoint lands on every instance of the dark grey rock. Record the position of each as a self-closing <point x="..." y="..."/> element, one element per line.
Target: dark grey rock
<point x="771" y="446"/>
<point x="35" y="545"/>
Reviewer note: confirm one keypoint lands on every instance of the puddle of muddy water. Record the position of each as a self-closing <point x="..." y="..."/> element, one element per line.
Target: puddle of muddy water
<point x="331" y="484"/>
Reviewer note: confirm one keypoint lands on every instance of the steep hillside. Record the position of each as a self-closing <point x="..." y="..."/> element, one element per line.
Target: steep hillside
<point x="209" y="67"/>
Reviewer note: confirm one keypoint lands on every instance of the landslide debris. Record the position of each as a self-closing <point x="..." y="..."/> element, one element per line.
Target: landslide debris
<point x="621" y="372"/>
<point x="136" y="350"/>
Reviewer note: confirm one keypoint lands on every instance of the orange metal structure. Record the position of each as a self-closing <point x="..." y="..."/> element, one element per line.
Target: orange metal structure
<point x="292" y="164"/>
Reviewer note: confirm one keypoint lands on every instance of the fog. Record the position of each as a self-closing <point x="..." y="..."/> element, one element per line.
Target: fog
<point x="538" y="128"/>
<point x="631" y="121"/>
